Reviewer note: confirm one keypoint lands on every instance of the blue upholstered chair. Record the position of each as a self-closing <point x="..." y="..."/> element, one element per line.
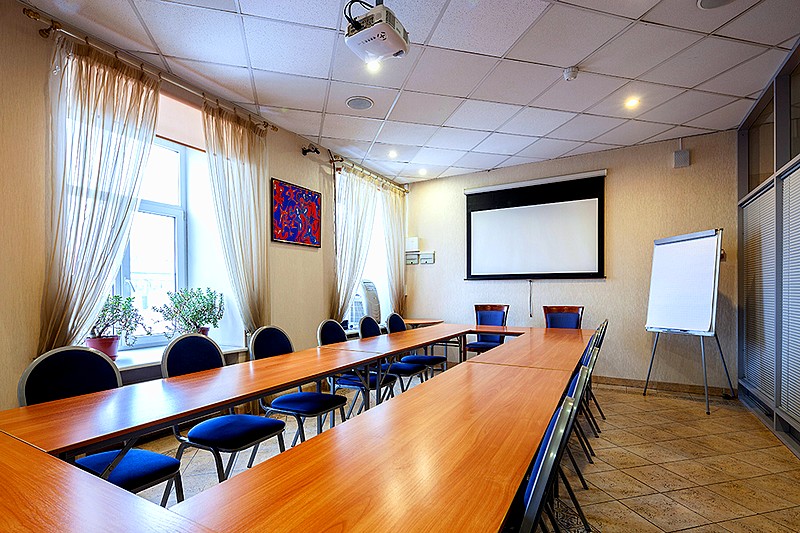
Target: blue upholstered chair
<point x="369" y="327"/>
<point x="395" y="324"/>
<point x="230" y="433"/>
<point x="269" y="341"/>
<point x="488" y="315"/>
<point x="75" y="370"/>
<point x="563" y="316"/>
<point x="331" y="332"/>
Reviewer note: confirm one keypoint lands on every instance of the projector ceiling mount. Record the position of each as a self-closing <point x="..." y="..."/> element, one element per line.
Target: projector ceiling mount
<point x="375" y="35"/>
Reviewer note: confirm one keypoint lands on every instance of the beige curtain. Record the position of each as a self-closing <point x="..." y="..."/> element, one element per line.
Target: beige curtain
<point x="102" y="123"/>
<point x="356" y="197"/>
<point x="394" y="227"/>
<point x="238" y="164"/>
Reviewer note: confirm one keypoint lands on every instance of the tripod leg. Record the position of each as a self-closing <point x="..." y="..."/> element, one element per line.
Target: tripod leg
<point x="652" y="356"/>
<point x="725" y="366"/>
<point x="705" y="377"/>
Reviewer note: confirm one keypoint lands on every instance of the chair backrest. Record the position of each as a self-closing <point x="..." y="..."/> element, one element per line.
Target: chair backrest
<point x="66" y="372"/>
<point x="545" y="466"/>
<point x="587" y="352"/>
<point x="601" y="332"/>
<point x="329" y="332"/>
<point x="269" y="341"/>
<point x="368" y="327"/>
<point x="491" y="315"/>
<point x="395" y="323"/>
<point x="563" y="316"/>
<point x="189" y="353"/>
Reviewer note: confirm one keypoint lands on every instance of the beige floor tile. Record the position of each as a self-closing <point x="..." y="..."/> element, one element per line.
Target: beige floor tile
<point x="763" y="459"/>
<point x="696" y="472"/>
<point x="708" y="528"/>
<point x="709" y="504"/>
<point x="721" y="444"/>
<point x="618" y="484"/>
<point x="681" y="430"/>
<point x="652" y="434"/>
<point x="710" y="426"/>
<point x="657" y="453"/>
<point x="586" y="467"/>
<point x="693" y="450"/>
<point x="664" y="513"/>
<point x="779" y="485"/>
<point x="788" y="518"/>
<point x="614" y="517"/>
<point x="754" y="524"/>
<point x="621" y="437"/>
<point x="782" y="452"/>
<point x="732" y="466"/>
<point x="622" y="458"/>
<point x="618" y="408"/>
<point x="591" y="495"/>
<point x="659" y="478"/>
<point x="742" y="493"/>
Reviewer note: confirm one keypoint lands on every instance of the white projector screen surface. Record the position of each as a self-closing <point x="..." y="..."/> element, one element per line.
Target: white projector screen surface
<point x="683" y="285"/>
<point x="546" y="238"/>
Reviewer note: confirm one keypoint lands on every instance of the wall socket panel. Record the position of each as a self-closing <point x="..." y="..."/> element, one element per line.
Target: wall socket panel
<point x="427" y="258"/>
<point x="412" y="259"/>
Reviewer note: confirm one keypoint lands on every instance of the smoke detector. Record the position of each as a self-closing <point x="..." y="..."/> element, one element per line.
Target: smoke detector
<point x="570" y="73"/>
<point x="712" y="4"/>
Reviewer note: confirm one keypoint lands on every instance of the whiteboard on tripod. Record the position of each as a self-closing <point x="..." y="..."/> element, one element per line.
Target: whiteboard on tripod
<point x="683" y="283"/>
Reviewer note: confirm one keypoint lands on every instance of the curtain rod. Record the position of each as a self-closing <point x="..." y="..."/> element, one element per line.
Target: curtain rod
<point x="56" y="26"/>
<point x="336" y="158"/>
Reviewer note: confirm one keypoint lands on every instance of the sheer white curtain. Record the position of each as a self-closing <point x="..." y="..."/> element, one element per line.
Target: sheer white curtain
<point x="238" y="164"/>
<point x="356" y="198"/>
<point x="102" y="123"/>
<point x="394" y="227"/>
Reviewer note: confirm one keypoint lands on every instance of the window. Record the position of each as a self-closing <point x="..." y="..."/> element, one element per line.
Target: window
<point x="761" y="149"/>
<point x="155" y="258"/>
<point x="794" y="96"/>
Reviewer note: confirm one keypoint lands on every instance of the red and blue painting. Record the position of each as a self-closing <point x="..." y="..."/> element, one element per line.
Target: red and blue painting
<point x="296" y="214"/>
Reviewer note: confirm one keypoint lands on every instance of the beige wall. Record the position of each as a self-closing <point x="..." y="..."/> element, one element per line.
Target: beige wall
<point x="646" y="199"/>
<point x="301" y="278"/>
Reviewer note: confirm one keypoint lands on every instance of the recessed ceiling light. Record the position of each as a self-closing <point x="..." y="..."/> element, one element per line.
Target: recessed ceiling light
<point x="373" y="66"/>
<point x="711" y="4"/>
<point x="632" y="103"/>
<point x="392" y="154"/>
<point x="359" y="103"/>
<point x="422" y="172"/>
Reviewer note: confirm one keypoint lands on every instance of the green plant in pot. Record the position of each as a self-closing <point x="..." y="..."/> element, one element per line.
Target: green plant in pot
<point x="117" y="317"/>
<point x="192" y="311"/>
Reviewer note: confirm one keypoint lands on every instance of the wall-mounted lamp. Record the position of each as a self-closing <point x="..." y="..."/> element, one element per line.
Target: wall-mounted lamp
<point x="310" y="149"/>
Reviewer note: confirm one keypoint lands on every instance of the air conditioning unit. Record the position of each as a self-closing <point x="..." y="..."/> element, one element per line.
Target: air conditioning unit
<point x="377" y="35"/>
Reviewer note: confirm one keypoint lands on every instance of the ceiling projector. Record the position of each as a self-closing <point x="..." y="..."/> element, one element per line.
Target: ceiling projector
<point x="377" y="34"/>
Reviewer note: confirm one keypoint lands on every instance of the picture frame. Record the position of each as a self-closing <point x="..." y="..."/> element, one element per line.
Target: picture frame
<point x="296" y="214"/>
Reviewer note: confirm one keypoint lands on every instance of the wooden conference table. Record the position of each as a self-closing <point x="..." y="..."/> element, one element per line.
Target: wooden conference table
<point x="468" y="434"/>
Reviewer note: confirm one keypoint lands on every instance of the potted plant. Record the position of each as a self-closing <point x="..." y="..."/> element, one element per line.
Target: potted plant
<point x="118" y="317"/>
<point x="192" y="311"/>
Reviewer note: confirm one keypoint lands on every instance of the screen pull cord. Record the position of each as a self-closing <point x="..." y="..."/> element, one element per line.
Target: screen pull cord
<point x="530" y="297"/>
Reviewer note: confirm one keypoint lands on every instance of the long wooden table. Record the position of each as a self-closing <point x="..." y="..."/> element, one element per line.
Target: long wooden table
<point x="446" y="455"/>
<point x="558" y="349"/>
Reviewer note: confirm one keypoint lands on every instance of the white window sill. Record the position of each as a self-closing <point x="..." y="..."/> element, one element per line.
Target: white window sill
<point x="151" y="356"/>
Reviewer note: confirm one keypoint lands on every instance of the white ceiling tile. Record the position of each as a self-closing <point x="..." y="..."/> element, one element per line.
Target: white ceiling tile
<point x="535" y="121"/>
<point x="289" y="48"/>
<point x="285" y="90"/>
<point x="628" y="8"/>
<point x="515" y="82"/>
<point x="345" y="147"/>
<point x="457" y="171"/>
<point x="686" y="14"/>
<point x="355" y="128"/>
<point x="632" y="132"/>
<point x="191" y="33"/>
<point x="749" y="77"/>
<point x="225" y="81"/>
<point x="701" y="61"/>
<point x="305" y="123"/>
<point x="503" y="143"/>
<point x="425" y="172"/>
<point x="585" y="127"/>
<point x="676" y="132"/>
<point x="222" y="5"/>
<point x="770" y="22"/>
<point x="437" y="156"/>
<point x="686" y="107"/>
<point x="479" y="115"/>
<point x="577" y="95"/>
<point x="149" y="57"/>
<point x="456" y="138"/>
<point x="381" y="151"/>
<point x="516" y="160"/>
<point x="789" y="44"/>
<point x="113" y="21"/>
<point x="449" y="72"/>
<point x="725" y="117"/>
<point x="348" y="67"/>
<point x="424" y="108"/>
<point x="549" y="148"/>
<point x="340" y="92"/>
<point x="649" y="95"/>
<point x="481" y="161"/>
<point x="640" y="48"/>
<point x="385" y="168"/>
<point x="465" y="23"/>
<point x="324" y="13"/>
<point x="405" y="133"/>
<point x="564" y="35"/>
<point x="588" y="148"/>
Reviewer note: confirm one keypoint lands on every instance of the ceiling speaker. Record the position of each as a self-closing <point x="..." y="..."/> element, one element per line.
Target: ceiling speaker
<point x="711" y="4"/>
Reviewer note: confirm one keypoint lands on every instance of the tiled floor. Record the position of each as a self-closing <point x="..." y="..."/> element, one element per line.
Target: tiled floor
<point x="662" y="464"/>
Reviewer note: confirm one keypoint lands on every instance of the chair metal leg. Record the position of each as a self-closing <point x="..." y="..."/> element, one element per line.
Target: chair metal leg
<point x="301" y="432"/>
<point x="552" y="518"/>
<point x="319" y="425"/>
<point x="218" y="463"/>
<point x="178" y="488"/>
<point x="352" y="406"/>
<point x="231" y="463"/>
<point x="178" y="456"/>
<point x="253" y="455"/>
<point x="592" y="420"/>
<point x="341" y="414"/>
<point x="574" y="499"/>
<point x="281" y="445"/>
<point x="577" y="468"/>
<point x="582" y="409"/>
<point x="583" y="446"/>
<point x="594" y="399"/>
<point x="583" y="435"/>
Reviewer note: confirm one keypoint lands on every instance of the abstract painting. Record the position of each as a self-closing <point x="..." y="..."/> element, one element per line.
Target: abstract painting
<point x="296" y="214"/>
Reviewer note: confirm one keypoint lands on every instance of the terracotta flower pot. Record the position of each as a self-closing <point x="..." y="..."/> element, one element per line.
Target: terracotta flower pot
<point x="107" y="345"/>
<point x="203" y="330"/>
